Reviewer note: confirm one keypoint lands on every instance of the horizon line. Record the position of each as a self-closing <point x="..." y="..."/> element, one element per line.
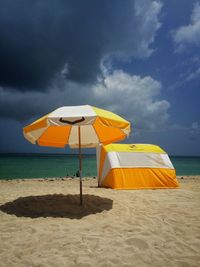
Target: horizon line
<point x="44" y="153"/>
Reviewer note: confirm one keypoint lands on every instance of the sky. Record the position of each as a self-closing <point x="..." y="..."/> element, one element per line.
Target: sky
<point x="137" y="58"/>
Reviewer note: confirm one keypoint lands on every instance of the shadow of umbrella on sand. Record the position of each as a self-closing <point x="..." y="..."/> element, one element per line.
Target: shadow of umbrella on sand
<point x="78" y="127"/>
<point x="57" y="206"/>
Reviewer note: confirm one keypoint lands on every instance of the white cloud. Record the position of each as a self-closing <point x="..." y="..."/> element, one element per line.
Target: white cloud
<point x="133" y="97"/>
<point x="193" y="75"/>
<point x="195" y="130"/>
<point x="146" y="13"/>
<point x="189" y="34"/>
<point x="139" y="31"/>
<point x="195" y="125"/>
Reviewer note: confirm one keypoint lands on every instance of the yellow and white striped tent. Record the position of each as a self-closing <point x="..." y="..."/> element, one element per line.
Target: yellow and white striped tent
<point x="135" y="166"/>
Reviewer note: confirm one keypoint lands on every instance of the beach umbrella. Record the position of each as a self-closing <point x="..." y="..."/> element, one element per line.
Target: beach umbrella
<point x="78" y="127"/>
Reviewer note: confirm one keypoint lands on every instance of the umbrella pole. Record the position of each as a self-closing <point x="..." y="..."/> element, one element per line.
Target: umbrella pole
<point x="80" y="164"/>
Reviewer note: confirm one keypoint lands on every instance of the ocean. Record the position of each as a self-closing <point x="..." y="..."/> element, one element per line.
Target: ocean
<point x="16" y="166"/>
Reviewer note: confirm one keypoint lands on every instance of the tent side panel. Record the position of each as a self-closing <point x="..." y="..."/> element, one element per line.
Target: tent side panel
<point x="102" y="157"/>
<point x="139" y="178"/>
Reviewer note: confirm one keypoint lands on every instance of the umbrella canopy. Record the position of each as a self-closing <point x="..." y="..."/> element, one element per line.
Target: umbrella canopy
<point x="77" y="126"/>
<point x="97" y="126"/>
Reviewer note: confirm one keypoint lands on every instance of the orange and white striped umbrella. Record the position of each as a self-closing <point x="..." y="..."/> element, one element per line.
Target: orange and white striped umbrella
<point x="77" y="126"/>
<point x="60" y="127"/>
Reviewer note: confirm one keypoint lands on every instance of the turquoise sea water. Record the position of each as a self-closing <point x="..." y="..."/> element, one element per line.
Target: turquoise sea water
<point x="14" y="166"/>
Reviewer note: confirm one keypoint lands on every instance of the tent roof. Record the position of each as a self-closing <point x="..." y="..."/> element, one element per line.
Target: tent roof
<point x="148" y="148"/>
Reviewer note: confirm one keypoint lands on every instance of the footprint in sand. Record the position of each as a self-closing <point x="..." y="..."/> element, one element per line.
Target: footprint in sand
<point x="138" y="243"/>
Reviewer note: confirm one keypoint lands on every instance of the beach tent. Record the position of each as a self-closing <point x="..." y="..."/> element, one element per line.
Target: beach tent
<point x="134" y="166"/>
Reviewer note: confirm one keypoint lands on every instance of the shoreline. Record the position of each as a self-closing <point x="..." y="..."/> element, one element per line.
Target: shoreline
<point x="67" y="178"/>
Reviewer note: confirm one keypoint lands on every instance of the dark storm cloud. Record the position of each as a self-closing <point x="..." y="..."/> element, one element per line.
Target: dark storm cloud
<point x="54" y="53"/>
<point x="22" y="106"/>
<point x="39" y="37"/>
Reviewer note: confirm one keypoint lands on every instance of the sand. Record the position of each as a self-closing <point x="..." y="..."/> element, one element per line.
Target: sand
<point x="41" y="224"/>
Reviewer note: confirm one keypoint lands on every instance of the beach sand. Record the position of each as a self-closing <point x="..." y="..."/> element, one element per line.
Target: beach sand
<point x="41" y="224"/>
